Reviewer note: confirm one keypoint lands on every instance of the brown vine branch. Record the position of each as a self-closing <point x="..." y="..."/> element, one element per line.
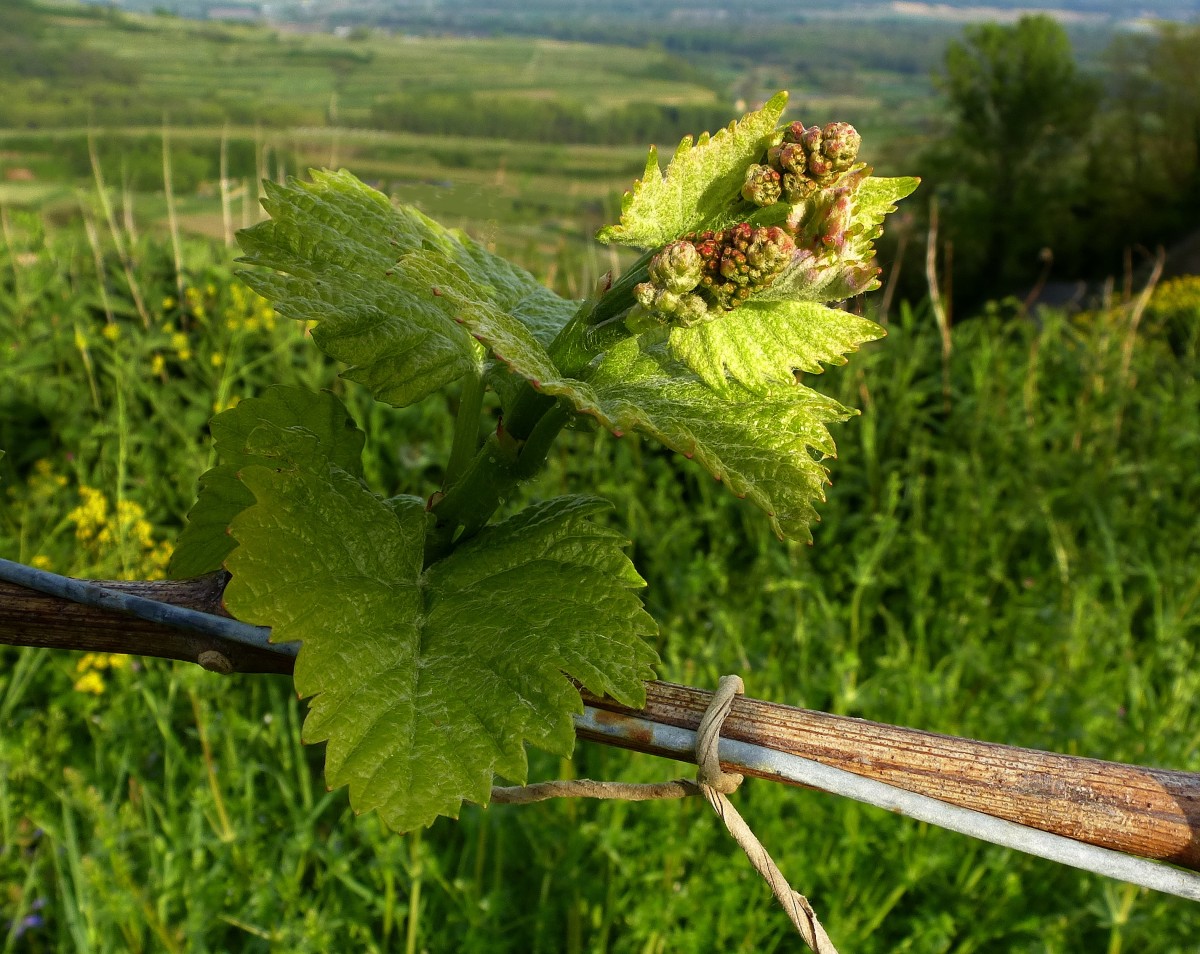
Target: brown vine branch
<point x="1152" y="813"/>
<point x="30" y="618"/>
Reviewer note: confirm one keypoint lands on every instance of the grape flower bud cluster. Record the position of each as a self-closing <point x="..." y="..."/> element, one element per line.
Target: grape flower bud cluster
<point x="804" y="161"/>
<point x="702" y="274"/>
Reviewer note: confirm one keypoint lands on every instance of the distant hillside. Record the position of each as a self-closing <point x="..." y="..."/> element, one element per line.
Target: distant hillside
<point x="522" y="14"/>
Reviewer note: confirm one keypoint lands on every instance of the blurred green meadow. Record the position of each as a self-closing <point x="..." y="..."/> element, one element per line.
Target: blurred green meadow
<point x="1008" y="552"/>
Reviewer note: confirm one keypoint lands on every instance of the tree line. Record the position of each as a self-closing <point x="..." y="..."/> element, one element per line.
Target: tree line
<point x="1042" y="169"/>
<point x="516" y="117"/>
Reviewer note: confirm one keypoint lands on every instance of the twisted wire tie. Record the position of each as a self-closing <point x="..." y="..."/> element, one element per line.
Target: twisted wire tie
<point x="715" y="785"/>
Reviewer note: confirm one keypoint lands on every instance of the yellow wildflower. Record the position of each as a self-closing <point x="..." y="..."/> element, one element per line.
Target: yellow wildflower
<point x="1178" y="294"/>
<point x="112" y="331"/>
<point x="90" y="681"/>
<point x="91" y="516"/>
<point x="89" y="661"/>
<point x="41" y="562"/>
<point x="130" y="524"/>
<point x="179" y="341"/>
<point x="217" y="359"/>
<point x="157" y="560"/>
<point x="91" y="665"/>
<point x="158" y="364"/>
<point x="168" y="303"/>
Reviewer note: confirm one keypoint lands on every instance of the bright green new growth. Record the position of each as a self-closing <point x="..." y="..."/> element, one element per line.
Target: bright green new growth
<point x="434" y="642"/>
<point x="803" y="181"/>
<point x="695" y="190"/>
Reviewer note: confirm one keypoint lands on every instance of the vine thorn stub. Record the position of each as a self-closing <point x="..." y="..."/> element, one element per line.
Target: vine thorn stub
<point x="215" y="661"/>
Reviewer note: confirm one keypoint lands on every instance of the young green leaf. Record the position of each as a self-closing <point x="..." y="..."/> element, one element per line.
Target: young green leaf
<point x="512" y="342"/>
<point x="329" y="254"/>
<point x="426" y="684"/>
<point x="700" y="182"/>
<point x="285" y="420"/>
<point x="205" y="541"/>
<point x="756" y="441"/>
<point x="876" y="198"/>
<point x="759" y="442"/>
<point x="761" y="343"/>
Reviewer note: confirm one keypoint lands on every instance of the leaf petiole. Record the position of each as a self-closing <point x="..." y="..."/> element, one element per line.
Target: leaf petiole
<point x="476" y="486"/>
<point x="466" y="428"/>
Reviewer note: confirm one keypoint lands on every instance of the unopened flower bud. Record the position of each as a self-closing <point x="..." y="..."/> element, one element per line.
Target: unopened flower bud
<point x="793" y="158"/>
<point x="819" y="165"/>
<point x="762" y="186"/>
<point x="839" y="144"/>
<point x="770" y="250"/>
<point x="837" y="219"/>
<point x="813" y="158"/>
<point x="677" y="268"/>
<point x="645" y="293"/>
<point x="666" y="302"/>
<point x="692" y="310"/>
<point x="793" y="132"/>
<point x="796" y="188"/>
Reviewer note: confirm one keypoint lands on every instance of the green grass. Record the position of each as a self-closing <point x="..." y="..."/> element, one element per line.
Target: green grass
<point x="532" y="200"/>
<point x="1014" y="559"/>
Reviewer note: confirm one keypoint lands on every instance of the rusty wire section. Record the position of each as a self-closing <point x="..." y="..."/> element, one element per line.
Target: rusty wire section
<point x="786" y="767"/>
